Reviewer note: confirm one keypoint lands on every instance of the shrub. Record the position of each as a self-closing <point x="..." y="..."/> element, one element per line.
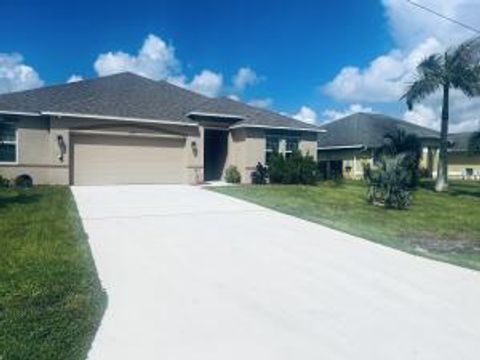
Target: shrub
<point x="4" y="182"/>
<point x="23" y="181"/>
<point x="260" y="175"/>
<point x="388" y="184"/>
<point x="400" y="142"/>
<point x="295" y="169"/>
<point x="232" y="175"/>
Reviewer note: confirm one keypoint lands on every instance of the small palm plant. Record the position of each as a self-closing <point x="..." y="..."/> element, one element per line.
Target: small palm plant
<point x="387" y="184"/>
<point x="458" y="68"/>
<point x="401" y="142"/>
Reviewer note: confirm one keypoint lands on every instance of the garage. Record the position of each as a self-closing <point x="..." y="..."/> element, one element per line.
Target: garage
<point x="99" y="159"/>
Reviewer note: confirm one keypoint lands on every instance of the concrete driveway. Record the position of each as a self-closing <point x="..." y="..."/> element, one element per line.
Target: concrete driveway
<point x="191" y="274"/>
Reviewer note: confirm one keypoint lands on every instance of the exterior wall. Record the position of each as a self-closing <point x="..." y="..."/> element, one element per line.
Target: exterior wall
<point x="459" y="162"/>
<point x="352" y="160"/>
<point x="308" y="144"/>
<point x="39" y="154"/>
<point x="41" y="157"/>
<point x="246" y="148"/>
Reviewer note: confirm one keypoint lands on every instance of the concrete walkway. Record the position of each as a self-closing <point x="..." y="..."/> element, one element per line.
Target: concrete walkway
<point x="191" y="274"/>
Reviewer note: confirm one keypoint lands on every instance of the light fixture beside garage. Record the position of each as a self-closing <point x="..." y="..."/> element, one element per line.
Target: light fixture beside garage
<point x="62" y="148"/>
<point x="194" y="147"/>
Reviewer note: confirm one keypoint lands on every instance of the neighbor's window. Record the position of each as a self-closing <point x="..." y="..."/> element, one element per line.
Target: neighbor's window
<point x="8" y="143"/>
<point x="272" y="146"/>
<point x="291" y="145"/>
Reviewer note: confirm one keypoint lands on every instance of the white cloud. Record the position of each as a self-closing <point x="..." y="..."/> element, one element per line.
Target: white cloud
<point x="15" y="75"/>
<point x="155" y="60"/>
<point x="416" y="33"/>
<point x="261" y="103"/>
<point x="385" y="78"/>
<point x="234" y="97"/>
<point x="411" y="25"/>
<point x="74" y="78"/>
<point x="244" y="77"/>
<point x="331" y="114"/>
<point x="306" y="114"/>
<point x="207" y="83"/>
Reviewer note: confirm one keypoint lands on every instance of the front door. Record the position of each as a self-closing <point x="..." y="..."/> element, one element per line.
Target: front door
<point x="214" y="153"/>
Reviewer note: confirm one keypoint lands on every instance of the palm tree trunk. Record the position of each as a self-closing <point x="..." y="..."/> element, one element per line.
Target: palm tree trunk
<point x="442" y="172"/>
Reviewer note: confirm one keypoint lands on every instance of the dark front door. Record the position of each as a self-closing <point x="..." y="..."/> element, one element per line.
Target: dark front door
<point x="214" y="153"/>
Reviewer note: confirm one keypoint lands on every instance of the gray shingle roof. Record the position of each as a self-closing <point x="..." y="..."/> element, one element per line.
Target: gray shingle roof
<point x="122" y="95"/>
<point x="460" y="141"/>
<point x="133" y="96"/>
<point x="252" y="116"/>
<point x="368" y="129"/>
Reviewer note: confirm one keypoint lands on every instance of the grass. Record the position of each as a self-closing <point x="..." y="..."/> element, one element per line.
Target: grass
<point x="442" y="226"/>
<point x="51" y="300"/>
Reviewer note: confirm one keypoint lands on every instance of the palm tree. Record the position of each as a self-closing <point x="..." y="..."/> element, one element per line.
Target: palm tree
<point x="458" y="68"/>
<point x="400" y="142"/>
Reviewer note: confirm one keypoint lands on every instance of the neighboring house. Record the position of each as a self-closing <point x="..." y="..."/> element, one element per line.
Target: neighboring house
<point x="351" y="141"/>
<point x="125" y="128"/>
<point x="462" y="161"/>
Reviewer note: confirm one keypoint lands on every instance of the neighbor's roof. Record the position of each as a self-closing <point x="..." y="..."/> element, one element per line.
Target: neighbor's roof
<point x="131" y="96"/>
<point x="460" y="141"/>
<point x="367" y="130"/>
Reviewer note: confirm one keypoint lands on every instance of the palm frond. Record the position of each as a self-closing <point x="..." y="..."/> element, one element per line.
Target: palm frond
<point x="429" y="77"/>
<point x="420" y="89"/>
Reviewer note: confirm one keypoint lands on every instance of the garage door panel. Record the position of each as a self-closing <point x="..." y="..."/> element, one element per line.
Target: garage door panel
<point x="99" y="160"/>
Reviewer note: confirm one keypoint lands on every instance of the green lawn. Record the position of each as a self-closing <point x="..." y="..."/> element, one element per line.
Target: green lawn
<point x="440" y="226"/>
<point x="51" y="300"/>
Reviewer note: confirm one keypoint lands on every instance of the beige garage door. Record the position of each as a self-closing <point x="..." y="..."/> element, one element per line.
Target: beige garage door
<point x="103" y="160"/>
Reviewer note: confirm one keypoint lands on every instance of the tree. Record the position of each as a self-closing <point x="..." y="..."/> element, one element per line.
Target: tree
<point x="399" y="142"/>
<point x="458" y="68"/>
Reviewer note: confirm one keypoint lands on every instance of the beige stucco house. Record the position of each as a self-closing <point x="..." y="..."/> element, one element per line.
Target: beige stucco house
<point x="126" y="129"/>
<point x="351" y="141"/>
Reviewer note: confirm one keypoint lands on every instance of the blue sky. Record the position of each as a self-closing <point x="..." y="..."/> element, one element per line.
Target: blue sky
<point x="328" y="57"/>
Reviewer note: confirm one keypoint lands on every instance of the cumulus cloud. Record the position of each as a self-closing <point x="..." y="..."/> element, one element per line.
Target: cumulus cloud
<point x="74" y="78"/>
<point x="207" y="82"/>
<point x="244" y="77"/>
<point x="155" y="60"/>
<point x="385" y="79"/>
<point x="261" y="103"/>
<point x="306" y="114"/>
<point x="331" y="114"/>
<point x="417" y="34"/>
<point x="15" y="75"/>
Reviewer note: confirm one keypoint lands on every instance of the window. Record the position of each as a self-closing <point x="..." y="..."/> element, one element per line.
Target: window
<point x="8" y="143"/>
<point x="291" y="145"/>
<point x="272" y="146"/>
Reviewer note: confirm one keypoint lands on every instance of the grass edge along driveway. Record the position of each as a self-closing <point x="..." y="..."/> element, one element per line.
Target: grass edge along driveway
<point x="440" y="226"/>
<point x="51" y="300"/>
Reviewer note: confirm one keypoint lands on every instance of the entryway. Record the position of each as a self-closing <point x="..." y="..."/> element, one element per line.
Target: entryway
<point x="214" y="153"/>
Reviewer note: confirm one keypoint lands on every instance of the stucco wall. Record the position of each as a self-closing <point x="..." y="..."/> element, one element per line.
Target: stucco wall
<point x="459" y="162"/>
<point x="39" y="153"/>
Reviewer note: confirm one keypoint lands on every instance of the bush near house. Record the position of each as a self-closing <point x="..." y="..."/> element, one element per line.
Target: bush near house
<point x="260" y="175"/>
<point x="294" y="169"/>
<point x="389" y="184"/>
<point x="232" y="175"/>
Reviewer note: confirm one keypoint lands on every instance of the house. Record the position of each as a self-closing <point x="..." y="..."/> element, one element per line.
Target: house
<point x="126" y="129"/>
<point x="463" y="162"/>
<point x="351" y="141"/>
